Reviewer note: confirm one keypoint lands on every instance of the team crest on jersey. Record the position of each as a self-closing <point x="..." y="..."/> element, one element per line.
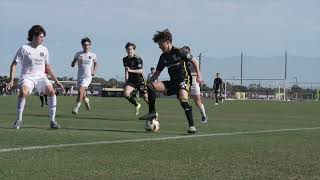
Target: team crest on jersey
<point x="89" y="57"/>
<point x="41" y="54"/>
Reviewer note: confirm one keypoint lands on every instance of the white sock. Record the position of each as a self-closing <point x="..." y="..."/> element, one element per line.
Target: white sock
<point x="86" y="100"/>
<point x="20" y="107"/>
<point x="52" y="103"/>
<point x="202" y="110"/>
<point x="78" y="105"/>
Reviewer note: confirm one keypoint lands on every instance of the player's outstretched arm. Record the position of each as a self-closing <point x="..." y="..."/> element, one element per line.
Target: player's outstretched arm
<point x="196" y="65"/>
<point x="73" y="63"/>
<point x="53" y="76"/>
<point x="13" y="69"/>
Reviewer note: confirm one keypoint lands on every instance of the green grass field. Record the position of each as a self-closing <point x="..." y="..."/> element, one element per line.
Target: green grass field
<point x="258" y="154"/>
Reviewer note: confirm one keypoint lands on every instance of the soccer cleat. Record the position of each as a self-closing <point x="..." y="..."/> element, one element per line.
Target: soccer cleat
<point x="192" y="130"/>
<point x="149" y="116"/>
<point x="216" y="104"/>
<point x="86" y="101"/>
<point x="75" y="111"/>
<point x="138" y="106"/>
<point x="147" y="126"/>
<point x="54" y="125"/>
<point x="17" y="124"/>
<point x="204" y="119"/>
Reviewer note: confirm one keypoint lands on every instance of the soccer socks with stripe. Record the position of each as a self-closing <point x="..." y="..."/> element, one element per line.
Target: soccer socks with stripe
<point x="20" y="107"/>
<point x="52" y="103"/>
<point x="188" y="110"/>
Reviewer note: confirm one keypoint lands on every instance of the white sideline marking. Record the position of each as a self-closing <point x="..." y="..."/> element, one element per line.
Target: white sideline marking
<point x="153" y="139"/>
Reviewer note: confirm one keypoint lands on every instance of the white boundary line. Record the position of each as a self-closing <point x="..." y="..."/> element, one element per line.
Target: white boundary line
<point x="152" y="139"/>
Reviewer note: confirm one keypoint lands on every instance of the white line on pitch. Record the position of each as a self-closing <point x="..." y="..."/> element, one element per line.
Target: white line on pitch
<point x="153" y="139"/>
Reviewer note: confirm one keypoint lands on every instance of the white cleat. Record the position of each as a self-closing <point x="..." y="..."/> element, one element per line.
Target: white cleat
<point x="216" y="104"/>
<point x="204" y="119"/>
<point x="192" y="130"/>
<point x="86" y="101"/>
<point x="75" y="111"/>
<point x="17" y="124"/>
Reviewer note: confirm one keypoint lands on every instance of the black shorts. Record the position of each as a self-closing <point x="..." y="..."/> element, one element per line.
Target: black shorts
<point x="173" y="87"/>
<point x="217" y="91"/>
<point x="139" y="86"/>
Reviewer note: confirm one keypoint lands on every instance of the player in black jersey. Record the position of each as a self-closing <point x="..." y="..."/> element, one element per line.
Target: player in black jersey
<point x="218" y="87"/>
<point x="176" y="61"/>
<point x="134" y="76"/>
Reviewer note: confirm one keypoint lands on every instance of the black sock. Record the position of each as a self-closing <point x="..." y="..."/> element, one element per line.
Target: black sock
<point x="132" y="100"/>
<point x="41" y="99"/>
<point x="46" y="99"/>
<point x="217" y="99"/>
<point x="152" y="99"/>
<point x="188" y="110"/>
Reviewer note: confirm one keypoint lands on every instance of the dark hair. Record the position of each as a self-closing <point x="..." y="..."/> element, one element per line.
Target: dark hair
<point x="35" y="30"/>
<point x="162" y="36"/>
<point x="86" y="39"/>
<point x="130" y="44"/>
<point x="218" y="74"/>
<point x="187" y="48"/>
<point x="152" y="68"/>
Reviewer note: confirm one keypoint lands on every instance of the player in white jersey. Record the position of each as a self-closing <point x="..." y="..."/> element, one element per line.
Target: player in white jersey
<point x="34" y="59"/>
<point x="195" y="89"/>
<point x="87" y="65"/>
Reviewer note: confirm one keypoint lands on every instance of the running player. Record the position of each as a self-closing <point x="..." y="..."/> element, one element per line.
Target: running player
<point x="176" y="61"/>
<point x="87" y="66"/>
<point x="133" y="65"/>
<point x="34" y="59"/>
<point x="195" y="89"/>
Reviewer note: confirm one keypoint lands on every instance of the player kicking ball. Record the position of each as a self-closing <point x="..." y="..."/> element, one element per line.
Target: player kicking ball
<point x="176" y="60"/>
<point x="87" y="65"/>
<point x="133" y="65"/>
<point x="34" y="59"/>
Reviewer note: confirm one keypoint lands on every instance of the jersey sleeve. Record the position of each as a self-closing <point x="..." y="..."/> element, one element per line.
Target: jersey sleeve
<point x="139" y="63"/>
<point x="46" y="60"/>
<point x="19" y="56"/>
<point x="125" y="63"/>
<point x="161" y="64"/>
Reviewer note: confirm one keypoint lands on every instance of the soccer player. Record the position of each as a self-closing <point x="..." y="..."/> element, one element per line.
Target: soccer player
<point x="218" y="86"/>
<point x="34" y="59"/>
<point x="195" y="88"/>
<point x="152" y="70"/>
<point x="133" y="65"/>
<point x="176" y="60"/>
<point x="87" y="66"/>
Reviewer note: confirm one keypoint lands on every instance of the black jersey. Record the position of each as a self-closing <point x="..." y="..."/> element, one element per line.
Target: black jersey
<point x="177" y="63"/>
<point x="217" y="83"/>
<point x="133" y="63"/>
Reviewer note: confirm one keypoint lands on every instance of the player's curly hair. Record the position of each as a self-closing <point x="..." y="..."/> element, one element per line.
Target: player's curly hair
<point x="86" y="39"/>
<point x="162" y="36"/>
<point x="130" y="44"/>
<point x="35" y="30"/>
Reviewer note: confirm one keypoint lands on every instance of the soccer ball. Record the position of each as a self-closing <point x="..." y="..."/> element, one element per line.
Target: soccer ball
<point x="154" y="125"/>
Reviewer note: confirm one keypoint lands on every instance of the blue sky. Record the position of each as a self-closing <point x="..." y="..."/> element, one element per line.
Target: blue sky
<point x="217" y="28"/>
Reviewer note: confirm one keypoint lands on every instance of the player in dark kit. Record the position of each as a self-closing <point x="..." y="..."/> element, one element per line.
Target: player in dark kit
<point x="176" y="61"/>
<point x="134" y="76"/>
<point x="218" y="87"/>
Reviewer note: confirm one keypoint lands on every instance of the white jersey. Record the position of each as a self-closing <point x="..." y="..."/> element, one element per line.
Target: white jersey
<point x="33" y="61"/>
<point x="85" y="63"/>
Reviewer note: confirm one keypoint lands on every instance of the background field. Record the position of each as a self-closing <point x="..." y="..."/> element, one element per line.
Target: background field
<point x="265" y="155"/>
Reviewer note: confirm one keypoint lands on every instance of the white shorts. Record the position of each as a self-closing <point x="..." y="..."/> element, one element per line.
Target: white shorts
<point x="195" y="89"/>
<point x="39" y="83"/>
<point x="85" y="82"/>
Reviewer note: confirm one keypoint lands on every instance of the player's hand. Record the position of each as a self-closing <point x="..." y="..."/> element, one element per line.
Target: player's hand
<point x="93" y="73"/>
<point x="60" y="86"/>
<point x="199" y="79"/>
<point x="9" y="85"/>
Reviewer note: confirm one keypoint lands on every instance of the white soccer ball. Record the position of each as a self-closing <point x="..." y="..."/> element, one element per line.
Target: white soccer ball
<point x="154" y="125"/>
